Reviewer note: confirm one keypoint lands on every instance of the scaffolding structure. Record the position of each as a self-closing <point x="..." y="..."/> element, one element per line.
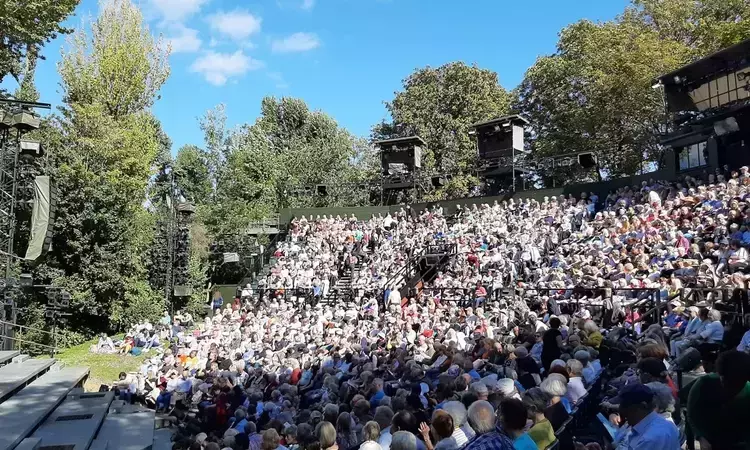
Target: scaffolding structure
<point x="16" y="119"/>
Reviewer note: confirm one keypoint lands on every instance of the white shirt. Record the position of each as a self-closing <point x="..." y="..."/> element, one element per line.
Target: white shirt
<point x="576" y="389"/>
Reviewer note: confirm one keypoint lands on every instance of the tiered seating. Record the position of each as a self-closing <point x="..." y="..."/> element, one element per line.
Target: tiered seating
<point x="24" y="411"/>
<point x="19" y="372"/>
<point x="126" y="427"/>
<point x="580" y="418"/>
<point x="76" y="421"/>
<point x="7" y="356"/>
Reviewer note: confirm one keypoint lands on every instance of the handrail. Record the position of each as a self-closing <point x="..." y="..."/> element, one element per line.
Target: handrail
<point x="52" y="348"/>
<point x="2" y="322"/>
<point x="49" y="347"/>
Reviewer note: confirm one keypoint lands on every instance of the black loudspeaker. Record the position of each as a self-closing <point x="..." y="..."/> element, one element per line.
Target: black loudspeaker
<point x="587" y="160"/>
<point x="689" y="360"/>
<point x="322" y="190"/>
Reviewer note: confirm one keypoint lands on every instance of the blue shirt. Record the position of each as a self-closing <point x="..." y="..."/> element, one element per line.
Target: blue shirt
<point x="375" y="399"/>
<point x="673" y="319"/>
<point x="524" y="442"/>
<point x="693" y="326"/>
<point x="654" y="432"/>
<point x="489" y="441"/>
<point x="713" y="333"/>
<point x="744" y="343"/>
<point x="589" y="375"/>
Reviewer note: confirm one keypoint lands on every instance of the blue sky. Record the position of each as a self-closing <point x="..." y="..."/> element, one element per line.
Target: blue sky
<point x="345" y="57"/>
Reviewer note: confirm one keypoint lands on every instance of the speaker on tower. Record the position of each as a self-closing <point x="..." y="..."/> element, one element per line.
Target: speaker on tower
<point x="587" y="160"/>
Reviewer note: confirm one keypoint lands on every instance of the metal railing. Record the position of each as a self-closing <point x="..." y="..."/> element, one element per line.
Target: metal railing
<point x="19" y="343"/>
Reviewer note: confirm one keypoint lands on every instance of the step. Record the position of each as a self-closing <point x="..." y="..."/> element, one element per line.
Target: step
<point x="126" y="431"/>
<point x="76" y="421"/>
<point x="15" y="375"/>
<point x="22" y="413"/>
<point x="7" y="356"/>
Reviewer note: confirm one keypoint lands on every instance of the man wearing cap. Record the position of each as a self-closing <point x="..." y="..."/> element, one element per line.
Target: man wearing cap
<point x="648" y="430"/>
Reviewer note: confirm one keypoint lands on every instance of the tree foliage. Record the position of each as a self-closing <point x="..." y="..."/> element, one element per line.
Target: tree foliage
<point x="274" y="163"/>
<point x="439" y="104"/>
<point x="103" y="151"/>
<point x="595" y="93"/>
<point x="118" y="65"/>
<point x="25" y="26"/>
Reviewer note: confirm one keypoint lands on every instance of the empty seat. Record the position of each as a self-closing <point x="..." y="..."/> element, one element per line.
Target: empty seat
<point x="23" y="412"/>
<point x="15" y="375"/>
<point x="126" y="431"/>
<point x="6" y="356"/>
<point x="76" y="421"/>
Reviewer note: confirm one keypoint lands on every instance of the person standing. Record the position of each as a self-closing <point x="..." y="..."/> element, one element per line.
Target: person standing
<point x="552" y="343"/>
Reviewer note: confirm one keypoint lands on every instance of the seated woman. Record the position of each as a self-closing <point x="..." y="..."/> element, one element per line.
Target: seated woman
<point x="555" y="386"/>
<point x="104" y="345"/>
<point x="541" y="432"/>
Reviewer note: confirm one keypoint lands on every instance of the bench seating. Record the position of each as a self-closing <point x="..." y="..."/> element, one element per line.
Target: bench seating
<point x="16" y="375"/>
<point x="76" y="421"/>
<point x="126" y="430"/>
<point x="7" y="355"/>
<point x="22" y="413"/>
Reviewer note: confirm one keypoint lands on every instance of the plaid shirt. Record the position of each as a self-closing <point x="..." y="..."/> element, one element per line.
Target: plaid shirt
<point x="255" y="441"/>
<point x="494" y="440"/>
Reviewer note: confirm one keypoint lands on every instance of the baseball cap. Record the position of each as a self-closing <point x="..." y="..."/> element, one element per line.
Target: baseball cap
<point x="632" y="394"/>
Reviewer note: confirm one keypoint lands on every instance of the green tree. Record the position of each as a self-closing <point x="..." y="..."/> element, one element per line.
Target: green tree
<point x="595" y="93"/>
<point x="103" y="161"/>
<point x="274" y="163"/>
<point x="193" y="174"/>
<point x="439" y="104"/>
<point x="26" y="26"/>
<point x="704" y="26"/>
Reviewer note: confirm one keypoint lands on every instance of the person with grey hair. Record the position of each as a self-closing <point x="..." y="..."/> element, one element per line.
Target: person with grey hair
<point x="555" y="386"/>
<point x="483" y="420"/>
<point x="576" y="389"/>
<point x="327" y="436"/>
<point x="331" y="412"/>
<point x="462" y="431"/>
<point x="403" y="440"/>
<point x="240" y="419"/>
<point x="384" y="417"/>
<point x="709" y="339"/>
<point x="480" y="389"/>
<point x="663" y="399"/>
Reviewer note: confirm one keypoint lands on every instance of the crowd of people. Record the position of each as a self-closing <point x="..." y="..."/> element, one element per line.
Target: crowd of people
<point x="530" y="367"/>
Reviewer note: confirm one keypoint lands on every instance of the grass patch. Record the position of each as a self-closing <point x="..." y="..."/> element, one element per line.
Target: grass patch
<point x="105" y="369"/>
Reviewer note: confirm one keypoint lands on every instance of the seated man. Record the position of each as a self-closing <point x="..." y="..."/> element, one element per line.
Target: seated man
<point x="696" y="325"/>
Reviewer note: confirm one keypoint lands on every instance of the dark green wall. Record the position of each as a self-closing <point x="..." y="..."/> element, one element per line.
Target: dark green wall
<point x="601" y="189"/>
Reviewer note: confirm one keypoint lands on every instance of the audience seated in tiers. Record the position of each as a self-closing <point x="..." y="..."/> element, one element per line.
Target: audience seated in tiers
<point x="464" y="363"/>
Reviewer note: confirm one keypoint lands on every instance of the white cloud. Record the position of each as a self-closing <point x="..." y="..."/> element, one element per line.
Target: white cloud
<point x="297" y="42"/>
<point x="307" y="5"/>
<point x="184" y="40"/>
<point x="177" y="10"/>
<point x="213" y="42"/>
<point x="237" y="24"/>
<point x="217" y="68"/>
